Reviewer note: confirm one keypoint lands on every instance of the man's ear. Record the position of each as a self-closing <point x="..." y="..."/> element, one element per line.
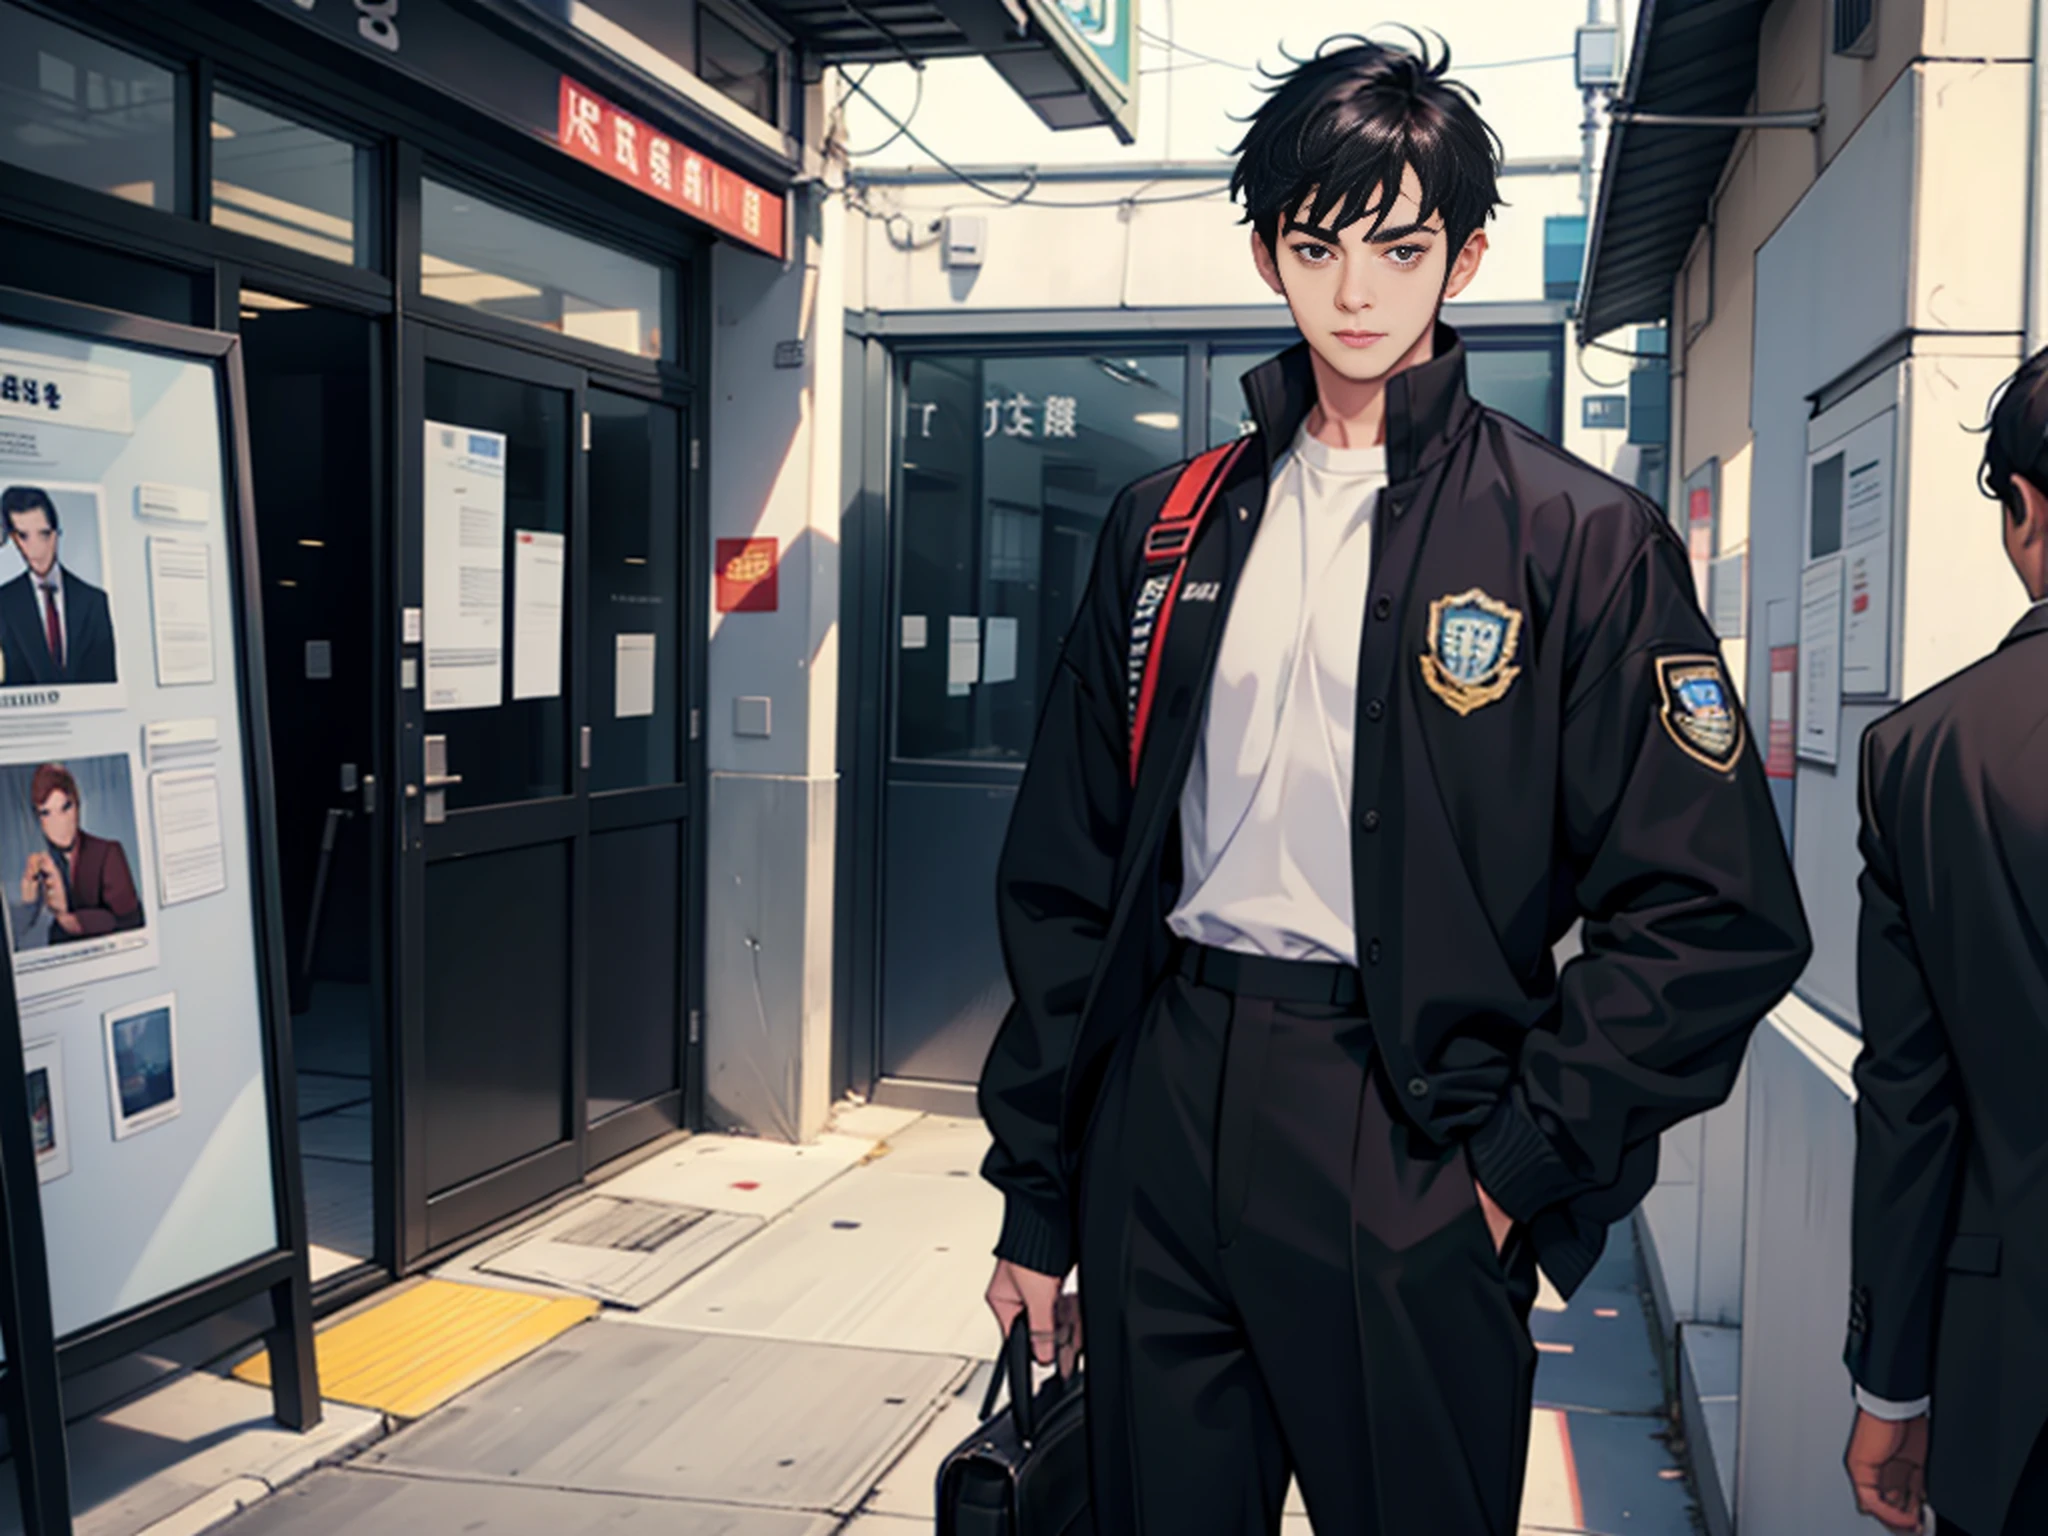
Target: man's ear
<point x="1465" y="265"/>
<point x="2033" y="510"/>
<point x="1268" y="268"/>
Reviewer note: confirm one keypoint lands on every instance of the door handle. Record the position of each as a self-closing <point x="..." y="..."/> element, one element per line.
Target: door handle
<point x="437" y="778"/>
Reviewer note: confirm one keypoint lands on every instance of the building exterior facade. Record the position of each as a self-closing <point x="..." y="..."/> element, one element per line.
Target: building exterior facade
<point x="1848" y="270"/>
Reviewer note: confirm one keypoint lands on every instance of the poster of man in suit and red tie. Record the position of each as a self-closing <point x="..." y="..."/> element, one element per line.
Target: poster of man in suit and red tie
<point x="56" y="625"/>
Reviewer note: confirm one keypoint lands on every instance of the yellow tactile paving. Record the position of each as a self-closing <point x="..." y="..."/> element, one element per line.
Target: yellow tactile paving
<point x="412" y="1353"/>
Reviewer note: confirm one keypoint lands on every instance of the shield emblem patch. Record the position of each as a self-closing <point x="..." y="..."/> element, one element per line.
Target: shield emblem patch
<point x="1469" y="653"/>
<point x="1699" y="710"/>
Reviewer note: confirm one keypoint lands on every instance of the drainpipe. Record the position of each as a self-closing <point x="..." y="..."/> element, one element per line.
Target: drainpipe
<point x="2037" y="190"/>
<point x="1589" y="127"/>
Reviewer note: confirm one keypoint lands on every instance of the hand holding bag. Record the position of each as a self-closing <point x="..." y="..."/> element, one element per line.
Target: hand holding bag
<point x="1024" y="1472"/>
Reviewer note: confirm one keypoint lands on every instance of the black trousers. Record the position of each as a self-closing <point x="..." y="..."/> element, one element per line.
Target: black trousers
<point x="2027" y="1515"/>
<point x="1278" y="1277"/>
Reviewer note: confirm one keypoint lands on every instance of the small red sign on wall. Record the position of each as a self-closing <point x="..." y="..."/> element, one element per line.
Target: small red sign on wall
<point x="746" y="575"/>
<point x="1779" y="761"/>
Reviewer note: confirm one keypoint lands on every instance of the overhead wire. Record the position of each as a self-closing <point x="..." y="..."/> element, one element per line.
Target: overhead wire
<point x="903" y="127"/>
<point x="1008" y="199"/>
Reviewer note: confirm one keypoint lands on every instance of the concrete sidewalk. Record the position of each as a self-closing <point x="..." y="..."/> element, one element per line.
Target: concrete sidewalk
<point x="794" y="1336"/>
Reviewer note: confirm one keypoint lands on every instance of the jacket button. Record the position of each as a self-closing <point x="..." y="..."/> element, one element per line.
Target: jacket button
<point x="1370" y="821"/>
<point x="1382" y="606"/>
<point x="1375" y="710"/>
<point x="1418" y="1087"/>
<point x="1372" y="953"/>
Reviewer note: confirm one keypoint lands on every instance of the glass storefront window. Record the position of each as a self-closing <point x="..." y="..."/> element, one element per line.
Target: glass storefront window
<point x="1519" y="380"/>
<point x="734" y="64"/>
<point x="284" y="182"/>
<point x="1006" y="469"/>
<point x="82" y="111"/>
<point x="487" y="257"/>
<point x="1229" y="416"/>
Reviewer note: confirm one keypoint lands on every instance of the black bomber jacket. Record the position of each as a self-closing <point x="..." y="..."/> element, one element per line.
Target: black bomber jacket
<point x="1544" y="732"/>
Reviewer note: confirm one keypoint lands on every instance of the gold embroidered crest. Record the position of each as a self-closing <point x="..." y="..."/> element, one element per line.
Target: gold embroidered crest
<point x="1699" y="712"/>
<point x="1469" y="657"/>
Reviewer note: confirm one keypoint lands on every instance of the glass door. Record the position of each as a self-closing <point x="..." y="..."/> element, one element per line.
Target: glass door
<point x="314" y="446"/>
<point x="541" y="691"/>
<point x="490" y="701"/>
<point x="639" y="858"/>
<point x="1006" y="466"/>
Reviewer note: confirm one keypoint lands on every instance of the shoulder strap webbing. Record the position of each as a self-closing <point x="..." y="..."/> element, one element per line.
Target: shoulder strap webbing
<point x="1167" y="543"/>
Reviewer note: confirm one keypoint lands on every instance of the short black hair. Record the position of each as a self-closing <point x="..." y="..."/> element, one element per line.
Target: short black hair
<point x="26" y="498"/>
<point x="2016" y="436"/>
<point x="1346" y="123"/>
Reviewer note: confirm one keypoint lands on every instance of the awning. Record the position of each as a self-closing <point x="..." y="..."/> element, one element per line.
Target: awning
<point x="1073" y="62"/>
<point x="877" y="31"/>
<point x="1691" y="58"/>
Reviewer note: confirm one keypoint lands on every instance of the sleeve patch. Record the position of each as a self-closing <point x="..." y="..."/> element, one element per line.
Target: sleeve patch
<point x="1699" y="712"/>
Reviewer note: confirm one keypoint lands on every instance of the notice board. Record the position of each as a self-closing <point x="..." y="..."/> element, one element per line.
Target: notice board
<point x="134" y="845"/>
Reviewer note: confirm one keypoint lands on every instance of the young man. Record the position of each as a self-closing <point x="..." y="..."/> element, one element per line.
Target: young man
<point x="1291" y="1070"/>
<point x="1949" y="1285"/>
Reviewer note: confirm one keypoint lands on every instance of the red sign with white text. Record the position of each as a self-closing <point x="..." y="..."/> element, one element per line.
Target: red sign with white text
<point x="666" y="169"/>
<point x="746" y="576"/>
<point x="1779" y="762"/>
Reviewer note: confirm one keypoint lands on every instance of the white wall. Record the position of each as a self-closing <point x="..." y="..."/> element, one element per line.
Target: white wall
<point x="1152" y="255"/>
<point x="773" y="446"/>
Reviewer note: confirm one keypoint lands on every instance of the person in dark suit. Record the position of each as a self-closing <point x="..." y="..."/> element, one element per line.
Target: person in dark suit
<point x="83" y="882"/>
<point x="55" y="626"/>
<point x="1948" y="1315"/>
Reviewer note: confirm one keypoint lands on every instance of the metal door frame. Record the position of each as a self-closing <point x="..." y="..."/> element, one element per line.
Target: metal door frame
<point x="432" y="1225"/>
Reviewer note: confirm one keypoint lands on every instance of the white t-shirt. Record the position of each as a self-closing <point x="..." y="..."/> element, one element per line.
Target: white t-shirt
<point x="1266" y="811"/>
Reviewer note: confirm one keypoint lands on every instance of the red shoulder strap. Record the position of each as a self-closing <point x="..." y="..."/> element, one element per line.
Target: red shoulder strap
<point x="1167" y="543"/>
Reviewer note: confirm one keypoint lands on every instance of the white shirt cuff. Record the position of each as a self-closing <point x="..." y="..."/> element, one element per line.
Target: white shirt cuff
<point x="1884" y="1408"/>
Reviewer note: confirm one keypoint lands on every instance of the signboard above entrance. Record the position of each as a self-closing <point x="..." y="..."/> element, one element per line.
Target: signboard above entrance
<point x="624" y="147"/>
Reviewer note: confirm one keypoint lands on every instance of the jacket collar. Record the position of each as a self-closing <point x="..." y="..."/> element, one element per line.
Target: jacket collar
<point x="1428" y="407"/>
<point x="2033" y="622"/>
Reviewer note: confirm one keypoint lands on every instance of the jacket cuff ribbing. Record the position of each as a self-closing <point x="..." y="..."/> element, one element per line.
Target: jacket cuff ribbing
<point x="1515" y="1162"/>
<point x="1034" y="1238"/>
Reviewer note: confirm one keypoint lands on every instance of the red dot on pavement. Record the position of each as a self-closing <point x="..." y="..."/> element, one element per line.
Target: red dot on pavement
<point x="746" y="1184"/>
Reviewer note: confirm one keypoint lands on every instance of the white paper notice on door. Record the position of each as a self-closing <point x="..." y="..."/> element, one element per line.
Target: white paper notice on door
<point x="633" y="677"/>
<point x="191" y="854"/>
<point x="463" y="566"/>
<point x="181" y="608"/>
<point x="537" y="560"/>
<point x="963" y="654"/>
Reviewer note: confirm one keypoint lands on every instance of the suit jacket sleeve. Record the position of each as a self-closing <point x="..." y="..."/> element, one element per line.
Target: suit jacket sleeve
<point x="1692" y="922"/>
<point x="114" y="907"/>
<point x="1054" y="886"/>
<point x="1909" y="1125"/>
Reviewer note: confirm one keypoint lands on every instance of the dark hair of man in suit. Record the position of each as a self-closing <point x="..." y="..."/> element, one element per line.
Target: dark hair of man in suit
<point x="1344" y="127"/>
<point x="2016" y="440"/>
<point x="27" y="498"/>
<point x="50" y="778"/>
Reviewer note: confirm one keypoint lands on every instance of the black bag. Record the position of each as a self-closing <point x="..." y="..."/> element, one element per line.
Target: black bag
<point x="1024" y="1472"/>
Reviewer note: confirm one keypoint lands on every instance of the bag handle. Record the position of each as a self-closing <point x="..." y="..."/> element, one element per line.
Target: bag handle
<point x="1015" y="1364"/>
